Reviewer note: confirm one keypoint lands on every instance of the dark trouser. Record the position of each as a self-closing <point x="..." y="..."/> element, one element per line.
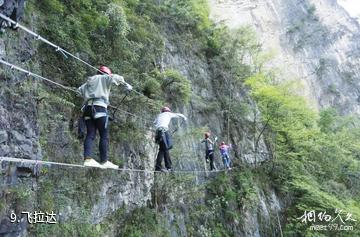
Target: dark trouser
<point x="210" y="156"/>
<point x="92" y="125"/>
<point x="163" y="153"/>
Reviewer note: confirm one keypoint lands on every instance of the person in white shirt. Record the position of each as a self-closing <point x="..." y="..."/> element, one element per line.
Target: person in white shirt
<point x="96" y="92"/>
<point x="163" y="137"/>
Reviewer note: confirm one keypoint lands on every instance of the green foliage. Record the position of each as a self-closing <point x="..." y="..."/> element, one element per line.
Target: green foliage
<point x="308" y="197"/>
<point x="176" y="87"/>
<point x="188" y="14"/>
<point x="142" y="221"/>
<point x="46" y="201"/>
<point x="230" y="194"/>
<point x="52" y="6"/>
<point x="231" y="53"/>
<point x="233" y="56"/>
<point x="201" y="9"/>
<point x="20" y="196"/>
<point x="327" y="120"/>
<point x="130" y="36"/>
<point x="304" y="143"/>
<point x="125" y="35"/>
<point x="152" y="87"/>
<point x="68" y="230"/>
<point x="286" y="113"/>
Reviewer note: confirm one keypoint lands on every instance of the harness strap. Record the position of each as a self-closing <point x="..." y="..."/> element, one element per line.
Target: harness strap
<point x="161" y="129"/>
<point x="94" y="113"/>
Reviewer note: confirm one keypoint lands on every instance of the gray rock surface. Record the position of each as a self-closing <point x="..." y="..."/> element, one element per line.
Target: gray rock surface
<point x="314" y="42"/>
<point x="306" y="44"/>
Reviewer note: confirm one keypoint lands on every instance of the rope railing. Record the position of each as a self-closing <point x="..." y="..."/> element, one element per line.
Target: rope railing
<point x="12" y="67"/>
<point x="63" y="51"/>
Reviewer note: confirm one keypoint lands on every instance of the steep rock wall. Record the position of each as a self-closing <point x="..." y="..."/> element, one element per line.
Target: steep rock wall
<point x="91" y="196"/>
<point x="35" y="124"/>
<point x="315" y="42"/>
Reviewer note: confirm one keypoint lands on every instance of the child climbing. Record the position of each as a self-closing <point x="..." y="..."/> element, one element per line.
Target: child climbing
<point x="224" y="151"/>
<point x="96" y="93"/>
<point x="209" y="150"/>
<point x="163" y="137"/>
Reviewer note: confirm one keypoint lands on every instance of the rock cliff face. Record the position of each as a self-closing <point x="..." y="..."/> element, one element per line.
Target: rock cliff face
<point x="36" y="125"/>
<point x="30" y="128"/>
<point x="315" y="42"/>
<point x="188" y="154"/>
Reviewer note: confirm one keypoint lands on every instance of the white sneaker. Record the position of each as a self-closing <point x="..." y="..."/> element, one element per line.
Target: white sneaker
<point x="109" y="165"/>
<point x="92" y="163"/>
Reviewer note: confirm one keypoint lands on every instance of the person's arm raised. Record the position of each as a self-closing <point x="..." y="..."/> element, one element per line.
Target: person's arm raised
<point x="81" y="89"/>
<point x="119" y="80"/>
<point x="178" y="115"/>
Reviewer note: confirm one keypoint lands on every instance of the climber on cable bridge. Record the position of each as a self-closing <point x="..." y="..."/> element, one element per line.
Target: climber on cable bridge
<point x="209" y="150"/>
<point x="96" y="93"/>
<point x="224" y="151"/>
<point x="163" y="137"/>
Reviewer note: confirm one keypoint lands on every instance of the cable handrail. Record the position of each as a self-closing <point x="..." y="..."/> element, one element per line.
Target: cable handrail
<point x="28" y="73"/>
<point x="63" y="51"/>
<point x="12" y="66"/>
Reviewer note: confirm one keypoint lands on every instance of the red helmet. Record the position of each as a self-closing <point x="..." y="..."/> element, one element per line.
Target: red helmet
<point x="165" y="109"/>
<point x="207" y="134"/>
<point x="105" y="69"/>
<point x="222" y="143"/>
